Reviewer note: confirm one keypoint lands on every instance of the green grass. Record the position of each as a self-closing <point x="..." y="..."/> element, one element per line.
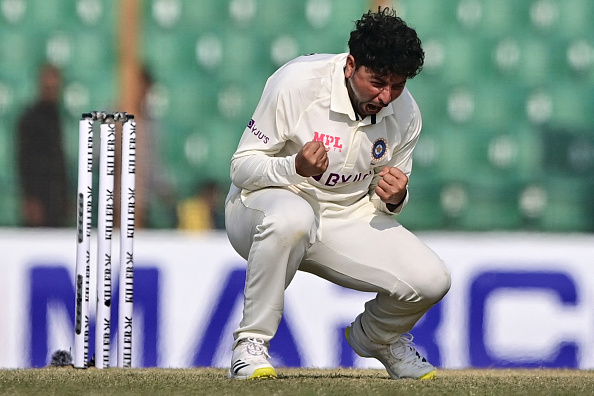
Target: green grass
<point x="340" y="382"/>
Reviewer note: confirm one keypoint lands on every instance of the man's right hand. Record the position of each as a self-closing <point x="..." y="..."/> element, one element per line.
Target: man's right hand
<point x="311" y="160"/>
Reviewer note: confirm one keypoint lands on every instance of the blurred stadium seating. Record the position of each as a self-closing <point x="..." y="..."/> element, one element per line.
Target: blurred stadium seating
<point x="507" y="93"/>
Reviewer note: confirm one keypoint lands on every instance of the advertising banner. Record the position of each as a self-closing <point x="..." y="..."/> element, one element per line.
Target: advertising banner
<point x="517" y="300"/>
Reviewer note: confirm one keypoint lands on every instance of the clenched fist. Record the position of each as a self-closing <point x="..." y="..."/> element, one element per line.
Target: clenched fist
<point x="392" y="186"/>
<point x="311" y="160"/>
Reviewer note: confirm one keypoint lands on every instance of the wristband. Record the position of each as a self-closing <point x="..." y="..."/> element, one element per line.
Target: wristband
<point x="392" y="207"/>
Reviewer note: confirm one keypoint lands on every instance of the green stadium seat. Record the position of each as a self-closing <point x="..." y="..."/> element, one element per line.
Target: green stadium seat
<point x="504" y="18"/>
<point x="469" y="15"/>
<point x="9" y="208"/>
<point x="568" y="152"/>
<point x="573" y="104"/>
<point x="43" y="16"/>
<point x="96" y="14"/>
<point x="169" y="51"/>
<point x="427" y="17"/>
<point x="93" y="55"/>
<point x="331" y="19"/>
<point x="463" y="58"/>
<point x="498" y="103"/>
<point x="185" y="14"/>
<point x="569" y="205"/>
<point x="432" y="102"/>
<point x="535" y="64"/>
<point x="544" y="16"/>
<point x="218" y="165"/>
<point x="7" y="150"/>
<point x="190" y="97"/>
<point x="529" y="158"/>
<point x="242" y="54"/>
<point x="423" y="211"/>
<point x="273" y="17"/>
<point x="577" y="59"/>
<point x="202" y="155"/>
<point x="575" y="18"/>
<point x="16" y="49"/>
<point x="441" y="153"/>
<point x="209" y="51"/>
<point x="488" y="203"/>
<point x="16" y="90"/>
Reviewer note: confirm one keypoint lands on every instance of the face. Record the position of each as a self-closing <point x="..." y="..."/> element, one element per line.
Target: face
<point x="370" y="92"/>
<point x="50" y="82"/>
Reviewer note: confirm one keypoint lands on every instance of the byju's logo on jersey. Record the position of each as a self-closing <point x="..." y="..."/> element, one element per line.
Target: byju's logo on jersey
<point x="379" y="149"/>
<point x="256" y="132"/>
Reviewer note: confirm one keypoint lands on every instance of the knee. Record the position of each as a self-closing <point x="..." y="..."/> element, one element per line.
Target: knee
<point x="291" y="226"/>
<point x="436" y="284"/>
<point x="426" y="288"/>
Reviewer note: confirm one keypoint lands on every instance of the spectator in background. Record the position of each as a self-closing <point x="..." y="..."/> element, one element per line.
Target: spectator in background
<point x="41" y="158"/>
<point x="155" y="196"/>
<point x="203" y="210"/>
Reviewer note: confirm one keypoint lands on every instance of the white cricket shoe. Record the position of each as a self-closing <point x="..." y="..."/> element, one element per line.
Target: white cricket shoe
<point x="250" y="360"/>
<point x="401" y="359"/>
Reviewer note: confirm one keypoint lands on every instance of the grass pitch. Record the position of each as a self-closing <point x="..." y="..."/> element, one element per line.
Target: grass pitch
<point x="340" y="382"/>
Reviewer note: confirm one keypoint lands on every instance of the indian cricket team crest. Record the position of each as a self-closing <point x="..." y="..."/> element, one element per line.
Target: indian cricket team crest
<point x="379" y="149"/>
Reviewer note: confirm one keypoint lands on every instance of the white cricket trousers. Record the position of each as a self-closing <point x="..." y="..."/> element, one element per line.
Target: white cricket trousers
<point x="276" y="231"/>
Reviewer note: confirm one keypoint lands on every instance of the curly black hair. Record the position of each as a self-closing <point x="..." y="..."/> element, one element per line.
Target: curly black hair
<point x="384" y="43"/>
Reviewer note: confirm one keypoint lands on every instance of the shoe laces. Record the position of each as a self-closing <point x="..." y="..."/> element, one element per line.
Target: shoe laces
<point x="404" y="349"/>
<point x="256" y="347"/>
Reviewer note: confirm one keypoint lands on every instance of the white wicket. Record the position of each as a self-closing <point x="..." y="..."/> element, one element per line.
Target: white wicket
<point x="128" y="208"/>
<point x="105" y="228"/>
<point x="83" y="242"/>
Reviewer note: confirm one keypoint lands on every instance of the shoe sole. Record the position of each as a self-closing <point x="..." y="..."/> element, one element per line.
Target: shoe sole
<point x="359" y="351"/>
<point x="429" y="376"/>
<point x="261" y="373"/>
<point x="264" y="373"/>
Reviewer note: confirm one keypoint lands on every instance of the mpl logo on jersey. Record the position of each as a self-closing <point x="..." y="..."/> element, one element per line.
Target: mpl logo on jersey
<point x="331" y="142"/>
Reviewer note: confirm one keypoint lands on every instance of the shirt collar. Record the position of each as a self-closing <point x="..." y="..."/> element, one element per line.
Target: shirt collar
<point x="340" y="101"/>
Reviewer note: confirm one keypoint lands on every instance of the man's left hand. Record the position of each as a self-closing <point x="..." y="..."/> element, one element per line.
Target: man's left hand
<point x="392" y="186"/>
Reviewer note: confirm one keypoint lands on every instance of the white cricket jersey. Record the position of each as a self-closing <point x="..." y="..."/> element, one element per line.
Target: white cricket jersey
<point x="307" y="100"/>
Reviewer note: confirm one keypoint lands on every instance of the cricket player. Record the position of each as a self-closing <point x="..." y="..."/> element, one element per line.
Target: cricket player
<point x="319" y="173"/>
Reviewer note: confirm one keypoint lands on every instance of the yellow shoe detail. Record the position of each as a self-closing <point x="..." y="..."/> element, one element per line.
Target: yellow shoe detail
<point x="264" y="372"/>
<point x="429" y="376"/>
<point x="347" y="334"/>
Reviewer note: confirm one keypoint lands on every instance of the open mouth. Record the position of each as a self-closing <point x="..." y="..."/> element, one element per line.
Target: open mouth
<point x="372" y="109"/>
